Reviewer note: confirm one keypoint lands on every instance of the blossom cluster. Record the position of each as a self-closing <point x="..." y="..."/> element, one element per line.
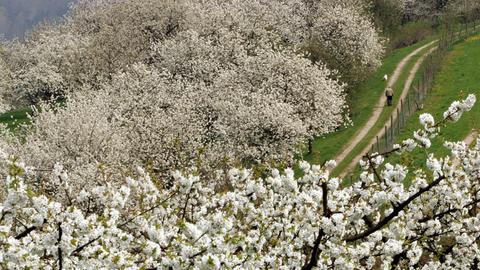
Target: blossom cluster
<point x="234" y="220"/>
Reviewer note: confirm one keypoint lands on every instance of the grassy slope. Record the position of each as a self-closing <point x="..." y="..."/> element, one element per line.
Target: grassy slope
<point x="327" y="147"/>
<point x="459" y="76"/>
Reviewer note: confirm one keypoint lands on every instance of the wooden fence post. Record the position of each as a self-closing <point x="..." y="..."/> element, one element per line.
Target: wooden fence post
<point x="398" y="121"/>
<point x="403" y="112"/>
<point x="391" y="127"/>
<point x="419" y="87"/>
<point x="408" y="105"/>
<point x="417" y="100"/>
<point x="386" y="138"/>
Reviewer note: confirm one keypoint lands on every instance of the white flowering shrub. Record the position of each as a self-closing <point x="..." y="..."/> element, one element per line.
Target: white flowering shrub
<point x="102" y="37"/>
<point x="227" y="87"/>
<point x="145" y="117"/>
<point x="96" y="40"/>
<point x="175" y="84"/>
<point x="236" y="221"/>
<point x="81" y="135"/>
<point x="347" y="41"/>
<point x="45" y="65"/>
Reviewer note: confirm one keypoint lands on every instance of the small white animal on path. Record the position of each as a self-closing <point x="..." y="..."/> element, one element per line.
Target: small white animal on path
<point x="385" y="77"/>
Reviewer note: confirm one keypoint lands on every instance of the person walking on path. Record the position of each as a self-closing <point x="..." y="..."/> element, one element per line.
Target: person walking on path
<point x="389" y="95"/>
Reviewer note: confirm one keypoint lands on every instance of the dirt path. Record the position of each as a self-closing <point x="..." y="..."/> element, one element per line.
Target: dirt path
<point x="406" y="88"/>
<point x="471" y="137"/>
<point x="360" y="135"/>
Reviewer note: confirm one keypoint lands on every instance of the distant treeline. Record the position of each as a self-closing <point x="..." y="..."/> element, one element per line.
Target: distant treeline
<point x="19" y="16"/>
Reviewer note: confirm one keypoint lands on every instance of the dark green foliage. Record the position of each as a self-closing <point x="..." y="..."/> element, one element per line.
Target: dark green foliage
<point x="15" y="118"/>
<point x="411" y="33"/>
<point x="387" y="15"/>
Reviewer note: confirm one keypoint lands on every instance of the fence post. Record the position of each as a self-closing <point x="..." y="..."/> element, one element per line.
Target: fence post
<point x="425" y="92"/>
<point x="408" y="105"/>
<point x="398" y="121"/>
<point x="403" y="112"/>
<point x="424" y="81"/>
<point x="386" y="138"/>
<point x="391" y="127"/>
<point x="417" y="100"/>
<point x="419" y="87"/>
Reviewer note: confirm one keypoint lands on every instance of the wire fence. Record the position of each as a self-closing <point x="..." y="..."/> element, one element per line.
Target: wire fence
<point x="420" y="88"/>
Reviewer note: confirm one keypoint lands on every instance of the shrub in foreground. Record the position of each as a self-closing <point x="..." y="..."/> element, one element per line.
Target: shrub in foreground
<point x="278" y="222"/>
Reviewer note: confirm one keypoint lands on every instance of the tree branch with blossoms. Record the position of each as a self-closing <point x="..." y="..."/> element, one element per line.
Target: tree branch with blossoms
<point x="280" y="221"/>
